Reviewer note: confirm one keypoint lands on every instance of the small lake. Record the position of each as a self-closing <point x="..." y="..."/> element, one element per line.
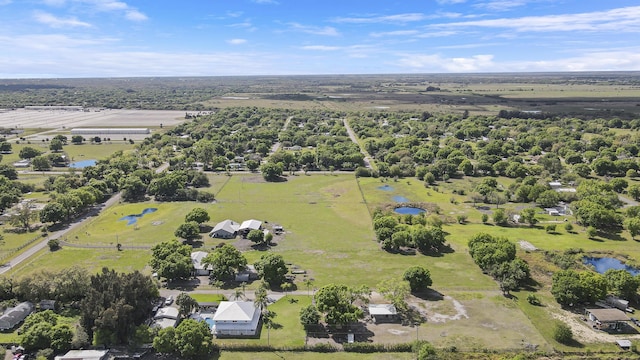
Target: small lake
<point x="132" y="219"/>
<point x="385" y="187"/>
<point x="83" y="164"/>
<point x="601" y="265"/>
<point x="400" y="199"/>
<point x="407" y="210"/>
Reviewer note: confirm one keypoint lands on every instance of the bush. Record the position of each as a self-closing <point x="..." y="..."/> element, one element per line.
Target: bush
<point x="562" y="333"/>
<point x="550" y="228"/>
<point x="533" y="300"/>
<point x="53" y="244"/>
<point x="568" y="227"/>
<point x="485" y="218"/>
<point x="368" y="348"/>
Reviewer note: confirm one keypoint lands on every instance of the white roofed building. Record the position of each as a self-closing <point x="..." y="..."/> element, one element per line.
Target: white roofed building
<point x="383" y="312"/>
<point x="225" y="230"/>
<point x="236" y="318"/>
<point x="166" y="317"/>
<point x="84" y="355"/>
<point x="249" y="225"/>
<point x="198" y="267"/>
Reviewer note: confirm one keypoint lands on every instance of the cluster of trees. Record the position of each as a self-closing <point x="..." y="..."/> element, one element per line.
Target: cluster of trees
<point x="190" y="340"/>
<point x="413" y="232"/>
<point x="41" y="331"/>
<point x="497" y="257"/>
<point x="571" y="287"/>
<point x="11" y="190"/>
<point x="337" y="305"/>
<point x="171" y="260"/>
<point x="115" y="305"/>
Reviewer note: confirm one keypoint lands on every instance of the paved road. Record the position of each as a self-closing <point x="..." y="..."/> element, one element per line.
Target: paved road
<point x="61" y="233"/>
<point x="276" y="146"/>
<point x="352" y="135"/>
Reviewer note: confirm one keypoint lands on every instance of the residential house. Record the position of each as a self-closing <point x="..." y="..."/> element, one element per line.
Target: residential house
<point x="225" y="230"/>
<point x="607" y="319"/>
<point x="166" y="317"/>
<point x="15" y="315"/>
<point x="236" y="318"/>
<point x="199" y="268"/>
<point x="84" y="355"/>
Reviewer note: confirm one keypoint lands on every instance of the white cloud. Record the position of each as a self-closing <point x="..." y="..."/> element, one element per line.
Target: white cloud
<point x="135" y="15"/>
<point x="395" y="33"/>
<point x="56" y="22"/>
<point x="437" y="63"/>
<point x="501" y="5"/>
<point x="315" y="30"/>
<point x="449" y="2"/>
<point x="321" y="48"/>
<point x="237" y="41"/>
<point x="620" y="19"/>
<point x="398" y="18"/>
<point x="51" y="43"/>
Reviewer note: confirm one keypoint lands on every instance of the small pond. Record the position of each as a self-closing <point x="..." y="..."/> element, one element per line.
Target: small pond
<point x="407" y="210"/>
<point x="603" y="264"/>
<point x="132" y="219"/>
<point x="400" y="199"/>
<point x="385" y="187"/>
<point x="83" y="164"/>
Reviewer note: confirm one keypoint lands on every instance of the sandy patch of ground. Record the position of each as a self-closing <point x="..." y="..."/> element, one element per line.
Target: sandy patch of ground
<point x="584" y="333"/>
<point x="527" y="246"/>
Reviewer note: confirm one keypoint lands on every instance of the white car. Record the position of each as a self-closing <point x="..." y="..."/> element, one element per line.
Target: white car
<point x="169" y="300"/>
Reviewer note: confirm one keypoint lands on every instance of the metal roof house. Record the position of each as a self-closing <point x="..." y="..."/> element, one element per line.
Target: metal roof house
<point x="225" y="230"/>
<point x="236" y="318"/>
<point x="15" y="315"/>
<point x="198" y="267"/>
<point x="84" y="355"/>
<point x="607" y="319"/>
<point x="166" y="317"/>
<point x="249" y="225"/>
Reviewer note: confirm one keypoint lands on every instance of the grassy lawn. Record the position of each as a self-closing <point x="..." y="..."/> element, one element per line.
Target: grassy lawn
<point x="208" y="297"/>
<point x="85" y="151"/>
<point x="279" y="355"/>
<point x="91" y="259"/>
<point x="287" y="331"/>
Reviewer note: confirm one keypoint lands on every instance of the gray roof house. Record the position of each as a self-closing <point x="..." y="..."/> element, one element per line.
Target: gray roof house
<point x="166" y="317"/>
<point x="198" y="267"/>
<point x="15" y="315"/>
<point x="225" y="230"/>
<point x="84" y="355"/>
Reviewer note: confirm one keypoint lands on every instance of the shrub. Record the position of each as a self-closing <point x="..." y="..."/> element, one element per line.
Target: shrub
<point x="568" y="227"/>
<point x="533" y="300"/>
<point x="550" y="228"/>
<point x="53" y="244"/>
<point x="485" y="218"/>
<point x="562" y="333"/>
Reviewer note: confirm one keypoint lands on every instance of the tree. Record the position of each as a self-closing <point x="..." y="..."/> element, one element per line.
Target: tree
<point x="621" y="283"/>
<point x="8" y="171"/>
<point x="188" y="231"/>
<point x="562" y="333"/>
<point x="272" y="268"/>
<point x="171" y="260"/>
<point x="427" y="352"/>
<point x="193" y="339"/>
<point x="528" y="215"/>
<point x="55" y="145"/>
<point x="309" y="316"/>
<point x="133" y="188"/>
<point x="592" y="232"/>
<point x="488" y="251"/>
<point x="252" y="165"/>
<point x="256" y="236"/>
<point x="186" y="304"/>
<point x="53" y="212"/>
<point x="566" y="287"/>
<point x="396" y="292"/>
<point x="548" y="198"/>
<point x="271" y="171"/>
<point x="634" y="191"/>
<point x="23" y="216"/>
<point x="77" y="139"/>
<point x="41" y="163"/>
<point x="28" y="152"/>
<point x="419" y="278"/>
<point x="198" y="215"/>
<point x="335" y="301"/>
<point x="499" y="217"/>
<point x="633" y="225"/>
<point x="225" y="261"/>
<point x="164" y="342"/>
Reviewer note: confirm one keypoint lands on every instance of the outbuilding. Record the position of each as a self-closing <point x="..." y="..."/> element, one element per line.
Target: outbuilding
<point x="15" y="315"/>
<point x="198" y="267"/>
<point x="249" y="225"/>
<point x="383" y="312"/>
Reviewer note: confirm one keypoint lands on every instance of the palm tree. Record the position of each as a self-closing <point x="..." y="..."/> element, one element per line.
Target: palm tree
<point x="238" y="294"/>
<point x="308" y="283"/>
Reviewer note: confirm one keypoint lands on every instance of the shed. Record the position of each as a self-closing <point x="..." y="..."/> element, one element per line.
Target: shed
<point x="383" y="312"/>
<point x="607" y="319"/>
<point x="47" y="305"/>
<point x="15" y="315"/>
<point x="226" y="229"/>
<point x="624" y="344"/>
<point x="249" y="225"/>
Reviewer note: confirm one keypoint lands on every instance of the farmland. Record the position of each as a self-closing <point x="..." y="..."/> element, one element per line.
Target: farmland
<point x="421" y="141"/>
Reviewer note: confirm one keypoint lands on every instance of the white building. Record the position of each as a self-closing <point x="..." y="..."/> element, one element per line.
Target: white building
<point x="236" y="318"/>
<point x="249" y="225"/>
<point x="225" y="230"/>
<point x="166" y="317"/>
<point x="84" y="355"/>
<point x="198" y="266"/>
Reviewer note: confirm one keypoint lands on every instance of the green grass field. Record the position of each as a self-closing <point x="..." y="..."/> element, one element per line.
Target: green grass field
<point x="85" y="151"/>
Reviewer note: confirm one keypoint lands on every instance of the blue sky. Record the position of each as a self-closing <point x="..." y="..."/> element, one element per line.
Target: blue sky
<point x="110" y="38"/>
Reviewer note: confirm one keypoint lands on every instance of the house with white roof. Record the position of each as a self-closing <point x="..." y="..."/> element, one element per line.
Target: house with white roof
<point x="383" y="312"/>
<point x="225" y="230"/>
<point x="236" y="318"/>
<point x="249" y="225"/>
<point x="166" y="317"/>
<point x="84" y="355"/>
<point x="198" y="267"/>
